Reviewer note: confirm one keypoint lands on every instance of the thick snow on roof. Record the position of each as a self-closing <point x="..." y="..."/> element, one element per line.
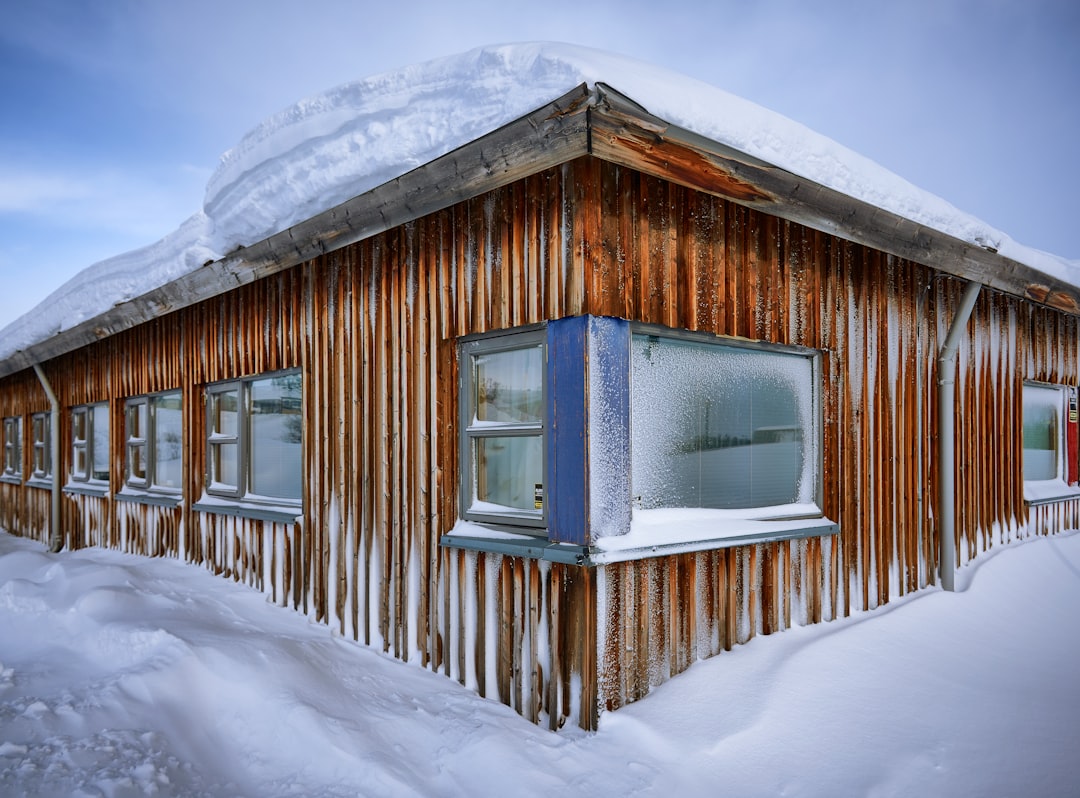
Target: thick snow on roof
<point x="334" y="146"/>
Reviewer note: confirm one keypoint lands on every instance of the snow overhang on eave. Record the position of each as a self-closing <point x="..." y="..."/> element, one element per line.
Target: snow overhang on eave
<point x="551" y="135"/>
<point x="625" y="133"/>
<point x="606" y="124"/>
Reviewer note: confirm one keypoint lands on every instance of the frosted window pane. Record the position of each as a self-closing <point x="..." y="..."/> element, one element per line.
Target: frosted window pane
<point x="1042" y="407"/>
<point x="508" y="470"/>
<point x="509" y="386"/>
<point x="276" y="436"/>
<point x="100" y="450"/>
<point x="168" y="442"/>
<point x="720" y="427"/>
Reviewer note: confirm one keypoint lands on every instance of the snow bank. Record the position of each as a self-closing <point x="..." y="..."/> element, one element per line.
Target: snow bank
<point x="125" y="676"/>
<point x="334" y="146"/>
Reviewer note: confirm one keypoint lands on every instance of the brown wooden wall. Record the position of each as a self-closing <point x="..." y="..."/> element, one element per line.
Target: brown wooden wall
<point x="373" y="326"/>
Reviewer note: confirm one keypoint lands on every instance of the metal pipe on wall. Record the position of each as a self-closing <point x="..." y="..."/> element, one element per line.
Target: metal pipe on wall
<point x="56" y="540"/>
<point x="947" y="438"/>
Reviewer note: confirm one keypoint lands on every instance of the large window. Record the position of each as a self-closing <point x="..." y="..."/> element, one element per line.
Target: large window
<point x="41" y="454"/>
<point x="254" y="438"/>
<point x="90" y="443"/>
<point x="155" y="454"/>
<point x="590" y="424"/>
<point x="722" y="426"/>
<point x="12" y="449"/>
<point x="1044" y="432"/>
<point x="503" y="409"/>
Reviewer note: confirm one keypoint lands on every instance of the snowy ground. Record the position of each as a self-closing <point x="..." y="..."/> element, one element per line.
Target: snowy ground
<point x="125" y="676"/>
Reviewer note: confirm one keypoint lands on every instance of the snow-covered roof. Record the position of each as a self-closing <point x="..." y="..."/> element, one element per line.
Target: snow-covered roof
<point x="335" y="146"/>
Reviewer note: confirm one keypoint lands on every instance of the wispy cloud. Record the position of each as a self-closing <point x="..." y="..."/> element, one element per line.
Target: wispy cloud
<point x="137" y="204"/>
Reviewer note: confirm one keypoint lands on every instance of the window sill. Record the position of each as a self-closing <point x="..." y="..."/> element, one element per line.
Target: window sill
<point x="10" y="480"/>
<point x="148" y="497"/>
<point x="667" y="532"/>
<point x="100" y="490"/>
<point x="1049" y="491"/>
<point x="657" y="533"/>
<point x="276" y="513"/>
<point x="41" y="484"/>
<point x="474" y="537"/>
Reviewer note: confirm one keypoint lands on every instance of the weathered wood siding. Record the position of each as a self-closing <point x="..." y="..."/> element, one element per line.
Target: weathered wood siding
<point x="373" y="325"/>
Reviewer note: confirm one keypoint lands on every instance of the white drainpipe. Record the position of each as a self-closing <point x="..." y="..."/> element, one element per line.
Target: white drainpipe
<point x="947" y="438"/>
<point x="56" y="540"/>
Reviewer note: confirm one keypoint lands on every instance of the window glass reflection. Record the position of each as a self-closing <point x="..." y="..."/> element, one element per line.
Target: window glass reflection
<point x="276" y="430"/>
<point x="509" y="386"/>
<point x="100" y="444"/>
<point x="1042" y="406"/>
<point x="509" y="471"/>
<point x="168" y="441"/>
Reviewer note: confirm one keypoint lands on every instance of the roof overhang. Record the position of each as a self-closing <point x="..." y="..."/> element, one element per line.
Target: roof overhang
<point x="608" y="125"/>
<point x="625" y="133"/>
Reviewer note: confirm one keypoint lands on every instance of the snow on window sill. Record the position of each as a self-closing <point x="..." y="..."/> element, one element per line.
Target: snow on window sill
<point x="88" y="488"/>
<point x="660" y="532"/>
<point x="11" y="479"/>
<point x="515" y="543"/>
<point x="1047" y="491"/>
<point x="277" y="512"/>
<point x="130" y="494"/>
<point x="40" y="482"/>
<point x="653" y="533"/>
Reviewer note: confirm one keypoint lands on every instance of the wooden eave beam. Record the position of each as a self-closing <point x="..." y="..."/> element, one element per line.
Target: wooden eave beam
<point x="625" y="133"/>
<point x="549" y="136"/>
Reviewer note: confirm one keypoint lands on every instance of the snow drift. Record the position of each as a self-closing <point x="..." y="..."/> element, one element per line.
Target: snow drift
<point x="123" y="676"/>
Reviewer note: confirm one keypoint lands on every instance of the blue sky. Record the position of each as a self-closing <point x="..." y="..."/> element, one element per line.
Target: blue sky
<point x="115" y="112"/>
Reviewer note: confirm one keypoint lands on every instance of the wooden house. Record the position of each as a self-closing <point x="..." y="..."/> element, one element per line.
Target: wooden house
<point x="565" y="409"/>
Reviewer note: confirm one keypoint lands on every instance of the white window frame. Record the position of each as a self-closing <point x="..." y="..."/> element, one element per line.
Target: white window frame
<point x="472" y="347"/>
<point x="243" y="490"/>
<point x="146" y="442"/>
<point x="12" y="471"/>
<point x="87" y="446"/>
<point x="1056" y="488"/>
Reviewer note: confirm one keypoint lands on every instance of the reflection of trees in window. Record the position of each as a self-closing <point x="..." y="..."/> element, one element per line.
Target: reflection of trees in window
<point x="290" y="406"/>
<point x="90" y="443"/>
<point x="255" y="451"/>
<point x="155" y="441"/>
